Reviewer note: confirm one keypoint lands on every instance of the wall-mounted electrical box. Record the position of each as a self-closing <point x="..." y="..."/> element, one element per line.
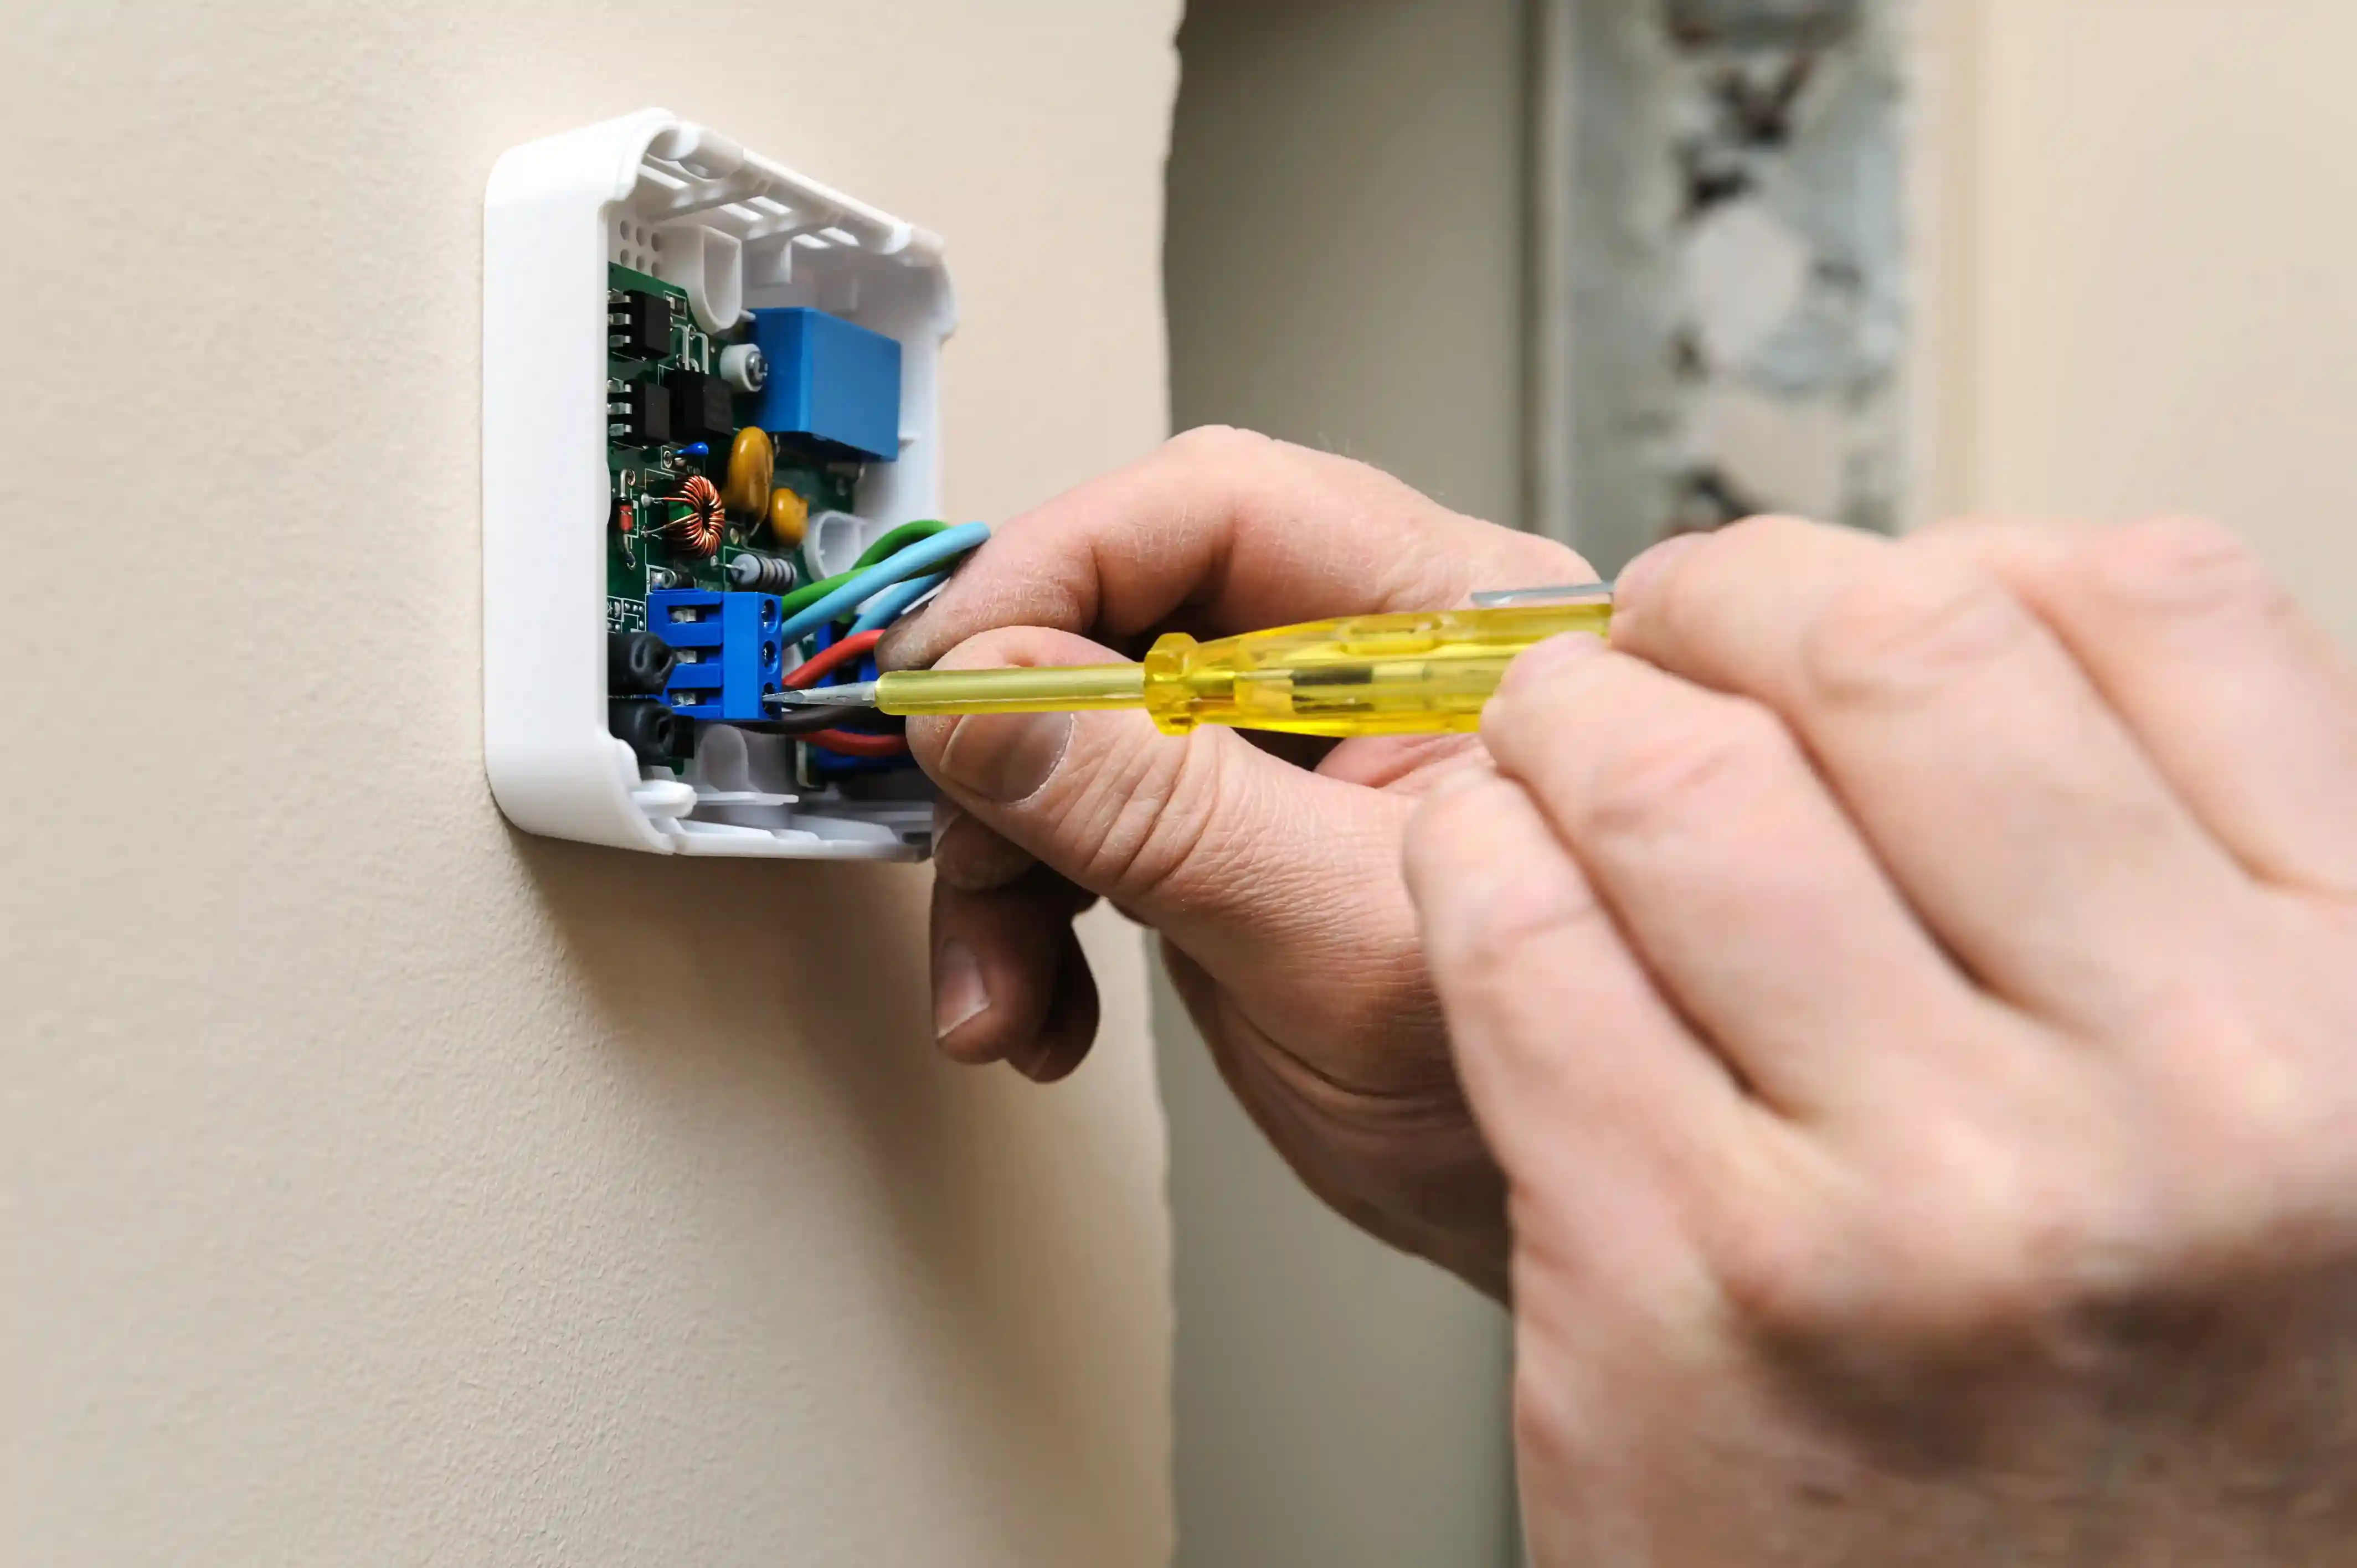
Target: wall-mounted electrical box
<point x="709" y="385"/>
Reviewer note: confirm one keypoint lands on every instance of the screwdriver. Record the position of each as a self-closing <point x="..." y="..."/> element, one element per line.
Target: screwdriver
<point x="1415" y="673"/>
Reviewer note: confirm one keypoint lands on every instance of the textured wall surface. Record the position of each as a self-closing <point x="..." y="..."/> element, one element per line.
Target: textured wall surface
<point x="378" y="1185"/>
<point x="2149" y="295"/>
<point x="1737" y="252"/>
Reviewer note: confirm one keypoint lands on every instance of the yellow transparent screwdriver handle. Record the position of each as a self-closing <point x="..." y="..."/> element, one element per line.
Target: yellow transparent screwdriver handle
<point x="1383" y="674"/>
<point x="1415" y="673"/>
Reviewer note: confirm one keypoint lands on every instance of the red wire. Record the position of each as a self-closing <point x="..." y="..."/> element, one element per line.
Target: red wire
<point x="850" y="743"/>
<point x="830" y="659"/>
<point x="825" y="661"/>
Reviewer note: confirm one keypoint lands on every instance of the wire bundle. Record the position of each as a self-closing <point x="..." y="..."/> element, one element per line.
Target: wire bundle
<point x="889" y="577"/>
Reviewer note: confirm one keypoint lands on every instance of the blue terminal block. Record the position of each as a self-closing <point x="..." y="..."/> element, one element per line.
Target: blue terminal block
<point x="829" y="382"/>
<point x="729" y="654"/>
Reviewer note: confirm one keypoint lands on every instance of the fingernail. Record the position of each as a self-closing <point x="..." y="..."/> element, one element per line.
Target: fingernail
<point x="1006" y="758"/>
<point x="1539" y="661"/>
<point x="1029" y="1058"/>
<point x="959" y="994"/>
<point x="1640" y="575"/>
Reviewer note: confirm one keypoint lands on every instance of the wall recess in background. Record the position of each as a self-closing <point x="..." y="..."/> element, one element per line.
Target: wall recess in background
<point x="1723" y="291"/>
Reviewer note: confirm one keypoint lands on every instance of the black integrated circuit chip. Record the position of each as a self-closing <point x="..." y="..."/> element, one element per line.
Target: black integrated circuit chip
<point x="638" y="415"/>
<point x="638" y="325"/>
<point x="700" y="409"/>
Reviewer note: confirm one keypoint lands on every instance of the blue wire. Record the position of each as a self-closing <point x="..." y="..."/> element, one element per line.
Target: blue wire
<point x="909" y="563"/>
<point x="885" y="608"/>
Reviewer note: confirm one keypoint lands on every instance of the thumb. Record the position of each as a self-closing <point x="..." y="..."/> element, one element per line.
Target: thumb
<point x="1256" y="869"/>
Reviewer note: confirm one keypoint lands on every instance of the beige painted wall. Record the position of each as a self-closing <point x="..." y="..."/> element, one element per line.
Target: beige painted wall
<point x="2147" y="271"/>
<point x="1344" y="250"/>
<point x="378" y="1185"/>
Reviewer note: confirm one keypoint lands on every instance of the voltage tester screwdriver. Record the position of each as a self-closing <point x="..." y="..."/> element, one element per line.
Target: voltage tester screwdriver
<point x="1415" y="673"/>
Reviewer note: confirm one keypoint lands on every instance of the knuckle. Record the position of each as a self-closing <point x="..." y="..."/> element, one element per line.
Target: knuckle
<point x="1159" y="825"/>
<point x="1680" y="603"/>
<point x="1770" y="531"/>
<point x="1663" y="770"/>
<point x="1531" y="694"/>
<point x="1780" y="1275"/>
<point x="2169" y="565"/>
<point x="1521" y="930"/>
<point x="1962" y="1251"/>
<point x="1964" y="526"/>
<point x="1753" y="548"/>
<point x="1218" y="444"/>
<point x="1519" y="912"/>
<point x="1908" y="626"/>
<point x="1448" y="818"/>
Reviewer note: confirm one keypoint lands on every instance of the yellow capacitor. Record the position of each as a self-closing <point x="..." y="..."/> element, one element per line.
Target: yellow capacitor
<point x="788" y="517"/>
<point x="752" y="467"/>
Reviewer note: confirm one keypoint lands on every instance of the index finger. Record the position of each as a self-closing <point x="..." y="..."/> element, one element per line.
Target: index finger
<point x="1238" y="532"/>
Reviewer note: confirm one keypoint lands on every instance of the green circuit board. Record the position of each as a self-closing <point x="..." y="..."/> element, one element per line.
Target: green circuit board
<point x="643" y="480"/>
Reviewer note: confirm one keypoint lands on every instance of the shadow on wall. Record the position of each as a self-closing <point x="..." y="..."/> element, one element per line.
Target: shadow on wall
<point x="771" y="1022"/>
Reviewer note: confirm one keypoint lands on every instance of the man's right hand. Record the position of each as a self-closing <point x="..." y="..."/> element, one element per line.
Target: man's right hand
<point x="1275" y="887"/>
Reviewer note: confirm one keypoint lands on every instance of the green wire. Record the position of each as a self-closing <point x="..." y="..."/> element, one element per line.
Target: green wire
<point x="892" y="543"/>
<point x="899" y="539"/>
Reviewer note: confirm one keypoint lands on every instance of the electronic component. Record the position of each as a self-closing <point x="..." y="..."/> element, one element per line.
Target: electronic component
<point x="700" y="408"/>
<point x="637" y="663"/>
<point x="639" y="414"/>
<point x="752" y="570"/>
<point x="788" y="517"/>
<point x="744" y="366"/>
<point x="638" y="324"/>
<point x="631" y="251"/>
<point x="752" y="466"/>
<point x="730" y="655"/>
<point x="834" y="543"/>
<point x="651" y="730"/>
<point x="699" y="525"/>
<point x="836" y="385"/>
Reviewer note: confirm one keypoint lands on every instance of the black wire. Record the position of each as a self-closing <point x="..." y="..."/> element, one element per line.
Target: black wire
<point x="808" y="721"/>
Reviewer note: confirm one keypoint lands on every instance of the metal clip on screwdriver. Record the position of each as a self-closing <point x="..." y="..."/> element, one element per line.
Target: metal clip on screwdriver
<point x="1420" y="673"/>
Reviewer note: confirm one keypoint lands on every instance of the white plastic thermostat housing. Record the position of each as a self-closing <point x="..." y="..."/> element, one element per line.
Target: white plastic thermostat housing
<point x="664" y="196"/>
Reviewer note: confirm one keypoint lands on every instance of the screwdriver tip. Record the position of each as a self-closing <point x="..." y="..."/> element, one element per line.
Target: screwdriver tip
<point x="856" y="694"/>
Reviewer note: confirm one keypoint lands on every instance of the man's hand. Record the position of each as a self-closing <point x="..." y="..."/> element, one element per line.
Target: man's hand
<point x="1277" y="888"/>
<point x="1912" y="991"/>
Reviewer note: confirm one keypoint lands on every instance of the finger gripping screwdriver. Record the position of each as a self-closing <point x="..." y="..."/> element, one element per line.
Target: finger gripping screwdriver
<point x="1420" y="672"/>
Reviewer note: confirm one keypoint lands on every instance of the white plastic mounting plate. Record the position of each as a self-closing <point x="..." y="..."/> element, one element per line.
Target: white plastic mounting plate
<point x="664" y="196"/>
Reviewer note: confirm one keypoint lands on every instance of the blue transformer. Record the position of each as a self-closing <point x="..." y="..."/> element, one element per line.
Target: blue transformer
<point x="729" y="655"/>
<point x="829" y="380"/>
